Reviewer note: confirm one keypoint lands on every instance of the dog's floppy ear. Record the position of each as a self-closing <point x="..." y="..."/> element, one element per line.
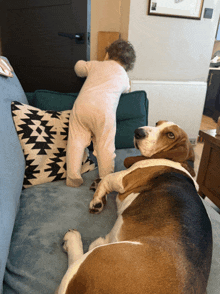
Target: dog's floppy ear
<point x="191" y="153"/>
<point x="181" y="152"/>
<point x="129" y="161"/>
<point x="189" y="163"/>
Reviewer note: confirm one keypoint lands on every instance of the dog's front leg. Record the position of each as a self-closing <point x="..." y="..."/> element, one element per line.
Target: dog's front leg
<point x="72" y="245"/>
<point x="110" y="183"/>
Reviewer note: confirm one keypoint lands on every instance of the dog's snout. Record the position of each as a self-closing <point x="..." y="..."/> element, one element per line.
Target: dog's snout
<point x="139" y="133"/>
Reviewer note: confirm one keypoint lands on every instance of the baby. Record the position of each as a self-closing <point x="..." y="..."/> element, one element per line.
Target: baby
<point x="93" y="116"/>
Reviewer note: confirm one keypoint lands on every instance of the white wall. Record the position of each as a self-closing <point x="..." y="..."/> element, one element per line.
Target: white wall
<point x="179" y="102"/>
<point x="171" y="49"/>
<point x="173" y="57"/>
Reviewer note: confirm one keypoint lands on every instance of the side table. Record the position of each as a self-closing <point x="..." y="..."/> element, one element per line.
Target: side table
<point x="209" y="169"/>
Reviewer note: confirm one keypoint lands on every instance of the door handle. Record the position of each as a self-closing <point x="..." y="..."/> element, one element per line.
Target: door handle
<point x="79" y="38"/>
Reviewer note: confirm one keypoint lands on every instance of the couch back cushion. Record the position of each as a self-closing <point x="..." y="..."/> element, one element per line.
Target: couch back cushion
<point x="12" y="164"/>
<point x="132" y="111"/>
<point x="51" y="100"/>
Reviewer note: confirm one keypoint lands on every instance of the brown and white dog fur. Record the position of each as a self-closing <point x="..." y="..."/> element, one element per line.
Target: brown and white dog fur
<point x="162" y="239"/>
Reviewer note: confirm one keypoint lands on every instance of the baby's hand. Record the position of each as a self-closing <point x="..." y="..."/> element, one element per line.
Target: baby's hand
<point x="81" y="68"/>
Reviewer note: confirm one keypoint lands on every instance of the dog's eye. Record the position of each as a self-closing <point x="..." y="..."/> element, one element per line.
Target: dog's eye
<point x="170" y="135"/>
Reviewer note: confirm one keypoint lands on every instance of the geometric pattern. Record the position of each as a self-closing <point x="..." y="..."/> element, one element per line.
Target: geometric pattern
<point x="43" y="136"/>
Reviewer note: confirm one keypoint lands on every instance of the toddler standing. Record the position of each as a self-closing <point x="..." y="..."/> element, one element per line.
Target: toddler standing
<point x="93" y="116"/>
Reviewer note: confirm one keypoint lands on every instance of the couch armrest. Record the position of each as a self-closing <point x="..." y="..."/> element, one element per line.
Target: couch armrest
<point x="12" y="165"/>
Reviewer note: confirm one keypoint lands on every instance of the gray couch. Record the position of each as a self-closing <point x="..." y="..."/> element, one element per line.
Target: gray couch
<point x="33" y="221"/>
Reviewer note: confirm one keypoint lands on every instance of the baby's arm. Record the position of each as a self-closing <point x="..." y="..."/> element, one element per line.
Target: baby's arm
<point x="81" y="68"/>
<point x="128" y="89"/>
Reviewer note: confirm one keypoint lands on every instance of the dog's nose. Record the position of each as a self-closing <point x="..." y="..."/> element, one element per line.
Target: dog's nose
<point x="139" y="134"/>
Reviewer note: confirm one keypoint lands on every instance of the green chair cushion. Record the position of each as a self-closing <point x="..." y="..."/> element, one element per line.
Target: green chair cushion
<point x="51" y="100"/>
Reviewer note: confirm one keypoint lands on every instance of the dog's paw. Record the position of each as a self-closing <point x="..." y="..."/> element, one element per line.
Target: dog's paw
<point x="69" y="238"/>
<point x="97" y="205"/>
<point x="94" y="185"/>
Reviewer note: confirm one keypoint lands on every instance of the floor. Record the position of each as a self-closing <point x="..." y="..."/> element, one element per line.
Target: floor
<point x="207" y="123"/>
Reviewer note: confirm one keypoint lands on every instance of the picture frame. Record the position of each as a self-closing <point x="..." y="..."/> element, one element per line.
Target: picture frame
<point x="176" y="8"/>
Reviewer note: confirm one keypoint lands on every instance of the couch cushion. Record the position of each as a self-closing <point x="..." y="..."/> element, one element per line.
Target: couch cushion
<point x="43" y="136"/>
<point x="51" y="100"/>
<point x="132" y="111"/>
<point x="36" y="262"/>
<point x="30" y="97"/>
<point x="12" y="164"/>
<point x="125" y="132"/>
<point x="132" y="105"/>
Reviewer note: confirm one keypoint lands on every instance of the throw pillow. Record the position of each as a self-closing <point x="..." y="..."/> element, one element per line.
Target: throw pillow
<point x="43" y="137"/>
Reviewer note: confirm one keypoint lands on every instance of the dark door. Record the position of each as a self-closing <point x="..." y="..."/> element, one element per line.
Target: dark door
<point x="43" y="39"/>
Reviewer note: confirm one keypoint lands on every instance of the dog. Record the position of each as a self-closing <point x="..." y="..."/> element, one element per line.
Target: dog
<point x="162" y="239"/>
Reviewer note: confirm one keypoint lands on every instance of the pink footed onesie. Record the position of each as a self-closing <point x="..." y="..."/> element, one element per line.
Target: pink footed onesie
<point x="93" y="116"/>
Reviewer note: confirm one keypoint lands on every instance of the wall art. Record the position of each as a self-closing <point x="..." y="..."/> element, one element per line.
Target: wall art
<point x="176" y="8"/>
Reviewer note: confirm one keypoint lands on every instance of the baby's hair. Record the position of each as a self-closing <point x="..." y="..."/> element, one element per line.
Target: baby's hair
<point x="123" y="52"/>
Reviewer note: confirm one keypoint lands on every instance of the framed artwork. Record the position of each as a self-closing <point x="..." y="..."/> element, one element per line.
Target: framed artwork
<point x="176" y="8"/>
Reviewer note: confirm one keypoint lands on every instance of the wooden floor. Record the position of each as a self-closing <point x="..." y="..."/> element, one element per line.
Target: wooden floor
<point x="207" y="123"/>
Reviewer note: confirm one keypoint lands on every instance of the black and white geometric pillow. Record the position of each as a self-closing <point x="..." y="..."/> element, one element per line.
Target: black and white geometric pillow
<point x="43" y="137"/>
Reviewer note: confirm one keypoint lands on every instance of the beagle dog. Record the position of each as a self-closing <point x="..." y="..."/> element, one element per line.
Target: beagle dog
<point x="162" y="239"/>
